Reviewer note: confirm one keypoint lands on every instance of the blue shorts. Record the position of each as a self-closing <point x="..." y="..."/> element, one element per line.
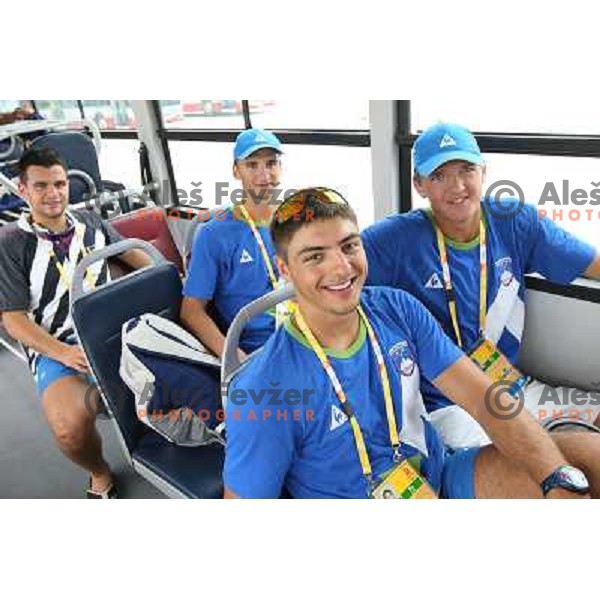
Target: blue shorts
<point x="49" y="370"/>
<point x="458" y="476"/>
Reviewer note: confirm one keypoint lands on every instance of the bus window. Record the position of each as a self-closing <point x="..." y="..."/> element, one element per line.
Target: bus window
<point x="119" y="161"/>
<point x="303" y="113"/>
<point x="60" y="110"/>
<point x="110" y="114"/>
<point x="107" y="114"/>
<point x="10" y="105"/>
<point x="519" y="115"/>
<point x="172" y="112"/>
<point x="206" y="114"/>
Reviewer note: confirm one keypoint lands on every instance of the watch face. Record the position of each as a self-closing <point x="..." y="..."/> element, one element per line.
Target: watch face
<point x="573" y="476"/>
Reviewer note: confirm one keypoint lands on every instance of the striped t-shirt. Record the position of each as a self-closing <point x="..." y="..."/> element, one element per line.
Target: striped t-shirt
<point x="31" y="280"/>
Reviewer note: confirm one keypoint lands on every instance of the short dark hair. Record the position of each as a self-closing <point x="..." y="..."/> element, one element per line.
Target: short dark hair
<point x="40" y="157"/>
<point x="314" y="209"/>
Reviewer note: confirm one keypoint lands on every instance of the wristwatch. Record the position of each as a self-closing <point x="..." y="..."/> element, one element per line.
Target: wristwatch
<point x="567" y="478"/>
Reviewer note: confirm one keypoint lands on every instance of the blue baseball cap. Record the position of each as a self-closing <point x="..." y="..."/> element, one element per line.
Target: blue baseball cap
<point x="251" y="140"/>
<point x="442" y="143"/>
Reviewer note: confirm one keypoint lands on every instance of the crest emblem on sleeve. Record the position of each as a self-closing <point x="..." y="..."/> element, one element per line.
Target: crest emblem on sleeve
<point x="403" y="358"/>
<point x="505" y="270"/>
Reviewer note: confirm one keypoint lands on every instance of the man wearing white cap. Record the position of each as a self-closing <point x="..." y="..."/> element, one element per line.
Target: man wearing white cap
<point x="466" y="260"/>
<point x="233" y="257"/>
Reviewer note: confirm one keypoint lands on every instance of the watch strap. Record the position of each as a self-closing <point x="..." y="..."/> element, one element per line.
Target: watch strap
<point x="562" y="478"/>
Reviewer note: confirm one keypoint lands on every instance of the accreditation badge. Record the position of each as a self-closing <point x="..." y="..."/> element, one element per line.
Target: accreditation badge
<point x="283" y="311"/>
<point x="403" y="482"/>
<point x="496" y="366"/>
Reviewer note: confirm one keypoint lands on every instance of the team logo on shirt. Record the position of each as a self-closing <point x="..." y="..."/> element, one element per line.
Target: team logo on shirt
<point x="504" y="266"/>
<point x="434" y="282"/>
<point x="338" y="418"/>
<point x="402" y="356"/>
<point x="246" y="257"/>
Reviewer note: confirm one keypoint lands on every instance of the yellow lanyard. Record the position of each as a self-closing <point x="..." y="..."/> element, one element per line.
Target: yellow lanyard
<point x="62" y="271"/>
<point x="451" y="297"/>
<point x="261" y="245"/>
<point x="339" y="391"/>
<point x="60" y="267"/>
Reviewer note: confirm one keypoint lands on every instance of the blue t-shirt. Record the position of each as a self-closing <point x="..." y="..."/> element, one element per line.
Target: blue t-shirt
<point x="306" y="445"/>
<point x="402" y="252"/>
<point x="228" y="267"/>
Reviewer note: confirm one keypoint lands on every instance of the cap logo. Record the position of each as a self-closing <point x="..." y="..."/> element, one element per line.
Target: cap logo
<point x="260" y="138"/>
<point x="447" y="140"/>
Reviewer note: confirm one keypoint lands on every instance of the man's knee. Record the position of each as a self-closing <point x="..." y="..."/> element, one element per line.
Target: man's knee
<point x="581" y="448"/>
<point x="70" y="435"/>
<point x="496" y="476"/>
<point x="71" y="418"/>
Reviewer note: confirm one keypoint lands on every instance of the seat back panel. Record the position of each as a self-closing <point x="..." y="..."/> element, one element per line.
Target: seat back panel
<point x="150" y="225"/>
<point x="99" y="317"/>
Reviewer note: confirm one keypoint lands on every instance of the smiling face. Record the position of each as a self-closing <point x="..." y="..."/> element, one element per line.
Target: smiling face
<point x="454" y="191"/>
<point x="47" y="191"/>
<point x="326" y="262"/>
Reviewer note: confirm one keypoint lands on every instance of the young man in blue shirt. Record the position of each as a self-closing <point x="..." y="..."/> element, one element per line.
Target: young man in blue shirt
<point x="436" y="255"/>
<point x="331" y="407"/>
<point x="232" y="256"/>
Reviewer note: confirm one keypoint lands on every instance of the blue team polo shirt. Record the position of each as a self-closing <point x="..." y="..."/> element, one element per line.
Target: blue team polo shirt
<point x="312" y="452"/>
<point x="402" y="252"/>
<point x="227" y="267"/>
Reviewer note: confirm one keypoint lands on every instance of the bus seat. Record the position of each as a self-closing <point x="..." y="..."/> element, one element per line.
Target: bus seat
<point x="79" y="153"/>
<point x="561" y="340"/>
<point x="231" y="361"/>
<point x="192" y="227"/>
<point x="150" y="225"/>
<point x="559" y="349"/>
<point x="188" y="241"/>
<point x="11" y="151"/>
<point x="98" y="317"/>
<point x="11" y="207"/>
<point x="11" y="202"/>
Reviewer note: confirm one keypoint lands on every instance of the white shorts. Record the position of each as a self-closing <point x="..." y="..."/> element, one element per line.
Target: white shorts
<point x="458" y="429"/>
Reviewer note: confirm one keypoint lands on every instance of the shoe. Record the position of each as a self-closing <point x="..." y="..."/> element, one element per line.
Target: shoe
<point x="110" y="493"/>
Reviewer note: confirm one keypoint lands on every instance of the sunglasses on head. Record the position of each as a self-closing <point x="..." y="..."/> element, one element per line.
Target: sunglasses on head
<point x="292" y="206"/>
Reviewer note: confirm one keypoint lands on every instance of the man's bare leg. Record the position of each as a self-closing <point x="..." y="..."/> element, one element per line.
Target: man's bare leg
<point x="73" y="426"/>
<point x="496" y="477"/>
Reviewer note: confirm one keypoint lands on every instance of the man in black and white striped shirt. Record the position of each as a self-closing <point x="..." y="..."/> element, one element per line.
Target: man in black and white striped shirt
<point x="38" y="255"/>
